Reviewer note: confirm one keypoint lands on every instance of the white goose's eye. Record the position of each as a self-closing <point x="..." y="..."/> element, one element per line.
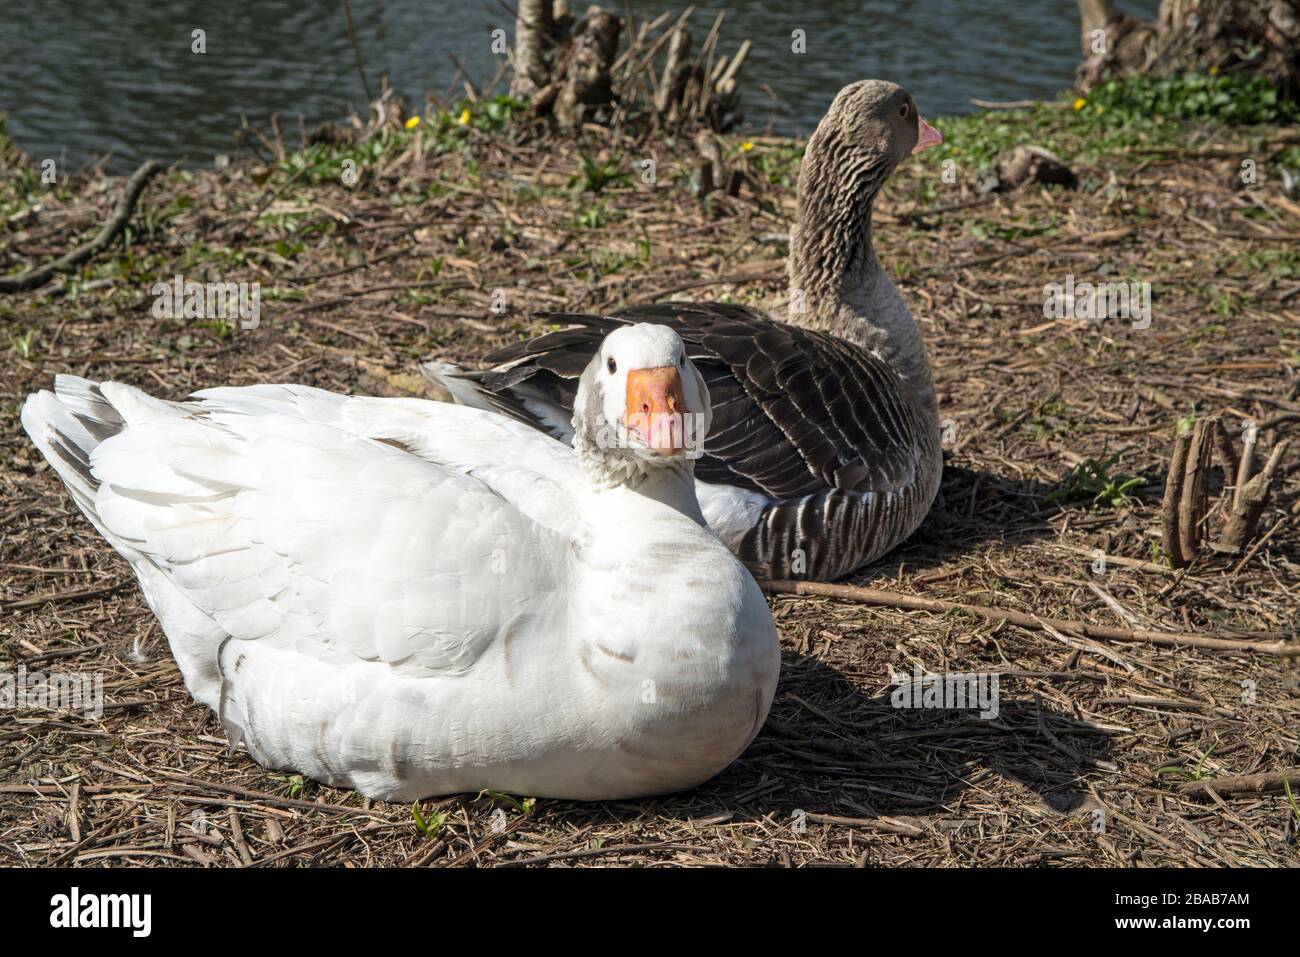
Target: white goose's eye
<point x="611" y="365"/>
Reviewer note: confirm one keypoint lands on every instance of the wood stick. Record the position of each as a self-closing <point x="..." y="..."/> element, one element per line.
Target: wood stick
<point x="1263" y="540"/>
<point x="35" y="601"/>
<point x="237" y="837"/>
<point x="261" y="797"/>
<point x="1173" y="493"/>
<point x="674" y="81"/>
<point x="1191" y="503"/>
<point x="1171" y="639"/>
<point x="886" y="824"/>
<point x="1245" y="464"/>
<point x="1252" y="499"/>
<point x="121" y="215"/>
<point x="346" y="837"/>
<point x="1134" y="563"/>
<point x="1227" y="454"/>
<point x="726" y="84"/>
<point x="1265" y="782"/>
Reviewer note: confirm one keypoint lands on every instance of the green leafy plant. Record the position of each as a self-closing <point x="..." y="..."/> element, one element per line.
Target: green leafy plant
<point x="1091" y="479"/>
<point x="23" y="344"/>
<point x="778" y="165"/>
<point x="1228" y="98"/>
<point x="595" y="176"/>
<point x="1197" y="773"/>
<point x="428" y="826"/>
<point x="593" y="217"/>
<point x="1290" y="798"/>
<point x="522" y="807"/>
<point x="221" y="328"/>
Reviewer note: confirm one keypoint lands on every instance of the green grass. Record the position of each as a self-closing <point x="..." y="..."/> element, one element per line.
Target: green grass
<point x="521" y="807"/>
<point x="779" y="165"/>
<point x="24" y="344"/>
<point x="1197" y="773"/>
<point x="1118" y="115"/>
<point x="1282" y="263"/>
<point x="595" y="176"/>
<point x="221" y="328"/>
<point x="1290" y="799"/>
<point x="1092" y="480"/>
<point x="592" y="217"/>
<point x="429" y="826"/>
<point x="442" y="131"/>
<point x="1235" y="99"/>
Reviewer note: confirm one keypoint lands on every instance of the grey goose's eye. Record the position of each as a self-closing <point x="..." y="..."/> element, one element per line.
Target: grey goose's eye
<point x="611" y="365"/>
<point x="905" y="110"/>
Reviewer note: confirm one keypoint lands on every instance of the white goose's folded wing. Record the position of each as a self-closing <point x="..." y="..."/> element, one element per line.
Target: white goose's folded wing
<point x="303" y="534"/>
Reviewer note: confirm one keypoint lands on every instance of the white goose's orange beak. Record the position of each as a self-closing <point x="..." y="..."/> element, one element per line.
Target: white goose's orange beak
<point x="927" y="135"/>
<point x="655" y="408"/>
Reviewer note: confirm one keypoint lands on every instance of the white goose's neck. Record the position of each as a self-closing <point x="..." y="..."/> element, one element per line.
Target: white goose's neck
<point x="837" y="284"/>
<point x="646" y="497"/>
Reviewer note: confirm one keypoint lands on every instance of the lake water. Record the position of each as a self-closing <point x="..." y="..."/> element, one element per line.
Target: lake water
<point x="82" y="80"/>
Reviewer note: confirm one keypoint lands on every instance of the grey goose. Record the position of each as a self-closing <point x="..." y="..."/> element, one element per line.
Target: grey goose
<point x="824" y="449"/>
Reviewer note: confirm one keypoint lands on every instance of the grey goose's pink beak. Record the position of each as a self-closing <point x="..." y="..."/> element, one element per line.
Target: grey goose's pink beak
<point x="927" y="135"/>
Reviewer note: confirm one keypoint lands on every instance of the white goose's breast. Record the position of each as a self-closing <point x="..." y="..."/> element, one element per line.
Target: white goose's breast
<point x="685" y="684"/>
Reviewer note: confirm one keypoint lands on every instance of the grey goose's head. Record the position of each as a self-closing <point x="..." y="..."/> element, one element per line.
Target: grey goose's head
<point x="641" y="406"/>
<point x="871" y="127"/>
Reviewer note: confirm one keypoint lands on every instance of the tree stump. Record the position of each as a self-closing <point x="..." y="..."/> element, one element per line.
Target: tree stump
<point x="534" y="41"/>
<point x="1019" y="166"/>
<point x="1185" y="511"/>
<point x="587" y="85"/>
<point x="1192" y="36"/>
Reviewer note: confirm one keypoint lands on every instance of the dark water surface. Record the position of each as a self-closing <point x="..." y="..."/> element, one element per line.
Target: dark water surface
<point x="84" y="79"/>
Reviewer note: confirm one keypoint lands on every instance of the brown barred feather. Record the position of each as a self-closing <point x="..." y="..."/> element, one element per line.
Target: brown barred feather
<point x="819" y="424"/>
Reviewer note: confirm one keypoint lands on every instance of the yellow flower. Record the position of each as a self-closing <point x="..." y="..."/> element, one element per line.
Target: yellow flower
<point x="413" y="122"/>
<point x="464" y="117"/>
<point x="1214" y="71"/>
<point x="746" y="146"/>
<point x="1101" y="109"/>
<point x="1080" y="103"/>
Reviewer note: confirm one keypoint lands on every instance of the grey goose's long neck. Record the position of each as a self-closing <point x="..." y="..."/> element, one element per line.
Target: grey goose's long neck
<point x="837" y="284"/>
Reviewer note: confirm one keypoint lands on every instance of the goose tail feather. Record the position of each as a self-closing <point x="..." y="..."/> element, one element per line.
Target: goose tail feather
<point x="67" y="425"/>
<point x="464" y="388"/>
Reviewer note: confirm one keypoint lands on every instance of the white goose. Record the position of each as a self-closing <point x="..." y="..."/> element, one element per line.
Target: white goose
<point x="414" y="598"/>
<point x="825" y="449"/>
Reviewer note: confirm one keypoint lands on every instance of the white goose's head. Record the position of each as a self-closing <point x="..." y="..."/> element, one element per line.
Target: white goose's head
<point x="641" y="406"/>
